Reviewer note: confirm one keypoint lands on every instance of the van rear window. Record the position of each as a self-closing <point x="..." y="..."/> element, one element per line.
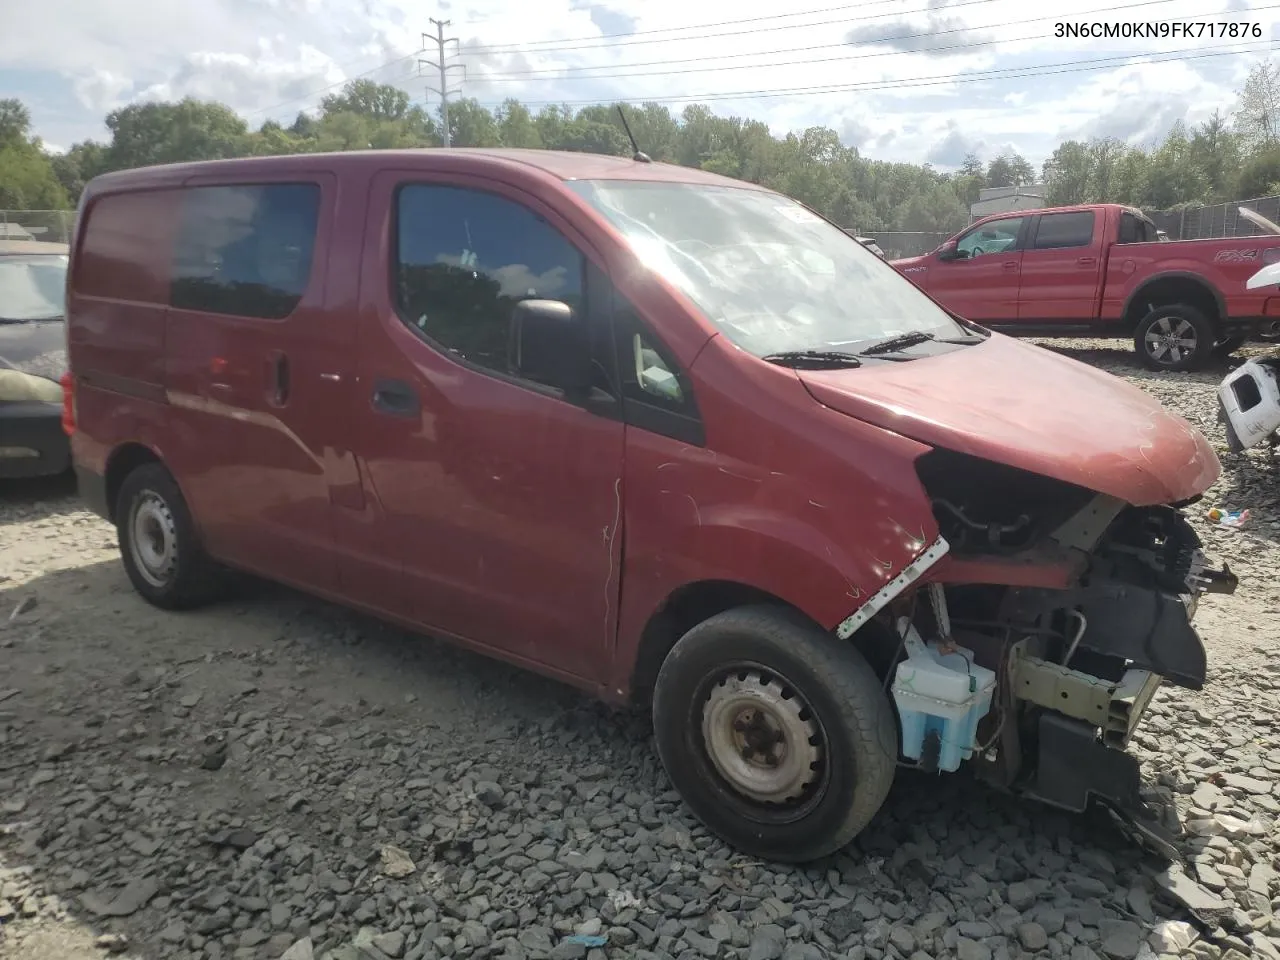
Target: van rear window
<point x="245" y="250"/>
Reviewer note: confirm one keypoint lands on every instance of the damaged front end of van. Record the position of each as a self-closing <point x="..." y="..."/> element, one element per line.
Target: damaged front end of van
<point x="1060" y="575"/>
<point x="1038" y="627"/>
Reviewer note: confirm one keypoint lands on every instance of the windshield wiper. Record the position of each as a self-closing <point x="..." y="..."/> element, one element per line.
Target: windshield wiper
<point x="892" y="344"/>
<point x="56" y="316"/>
<point x="816" y="358"/>
<point x="913" y="338"/>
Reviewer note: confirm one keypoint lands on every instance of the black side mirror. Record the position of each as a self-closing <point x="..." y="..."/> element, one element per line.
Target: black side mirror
<point x="549" y="345"/>
<point x="948" y="251"/>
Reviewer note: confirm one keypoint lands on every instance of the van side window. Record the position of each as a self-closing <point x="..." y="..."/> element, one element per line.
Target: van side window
<point x="1059" y="230"/>
<point x="245" y="250"/>
<point x="464" y="258"/>
<point x="656" y="394"/>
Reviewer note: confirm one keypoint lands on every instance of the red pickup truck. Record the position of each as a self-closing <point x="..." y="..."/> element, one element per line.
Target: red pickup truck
<point x="1100" y="270"/>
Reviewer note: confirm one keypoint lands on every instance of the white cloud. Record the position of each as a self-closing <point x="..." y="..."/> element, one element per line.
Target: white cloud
<point x="918" y="83"/>
<point x="101" y="90"/>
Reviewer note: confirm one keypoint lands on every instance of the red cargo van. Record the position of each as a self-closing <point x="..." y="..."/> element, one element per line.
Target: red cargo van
<point x="666" y="436"/>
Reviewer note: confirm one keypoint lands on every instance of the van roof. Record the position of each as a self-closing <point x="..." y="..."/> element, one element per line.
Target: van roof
<point x="556" y="164"/>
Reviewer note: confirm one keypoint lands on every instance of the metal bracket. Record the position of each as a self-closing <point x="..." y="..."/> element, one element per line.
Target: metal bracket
<point x="878" y="600"/>
<point x="1114" y="707"/>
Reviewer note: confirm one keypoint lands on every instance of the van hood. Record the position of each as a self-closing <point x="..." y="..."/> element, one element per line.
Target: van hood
<point x="908" y="262"/>
<point x="1026" y="407"/>
<point x="37" y="347"/>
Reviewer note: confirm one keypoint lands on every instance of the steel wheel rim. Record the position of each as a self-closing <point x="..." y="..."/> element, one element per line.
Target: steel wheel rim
<point x="1171" y="337"/>
<point x="763" y="739"/>
<point x="153" y="540"/>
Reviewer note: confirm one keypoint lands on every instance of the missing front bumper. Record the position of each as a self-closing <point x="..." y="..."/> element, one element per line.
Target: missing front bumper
<point x="1075" y="769"/>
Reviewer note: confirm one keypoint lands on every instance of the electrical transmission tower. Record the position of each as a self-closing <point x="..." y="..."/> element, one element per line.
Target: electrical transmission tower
<point x="442" y="67"/>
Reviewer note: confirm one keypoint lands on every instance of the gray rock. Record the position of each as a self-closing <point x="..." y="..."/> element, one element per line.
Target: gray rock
<point x="967" y="949"/>
<point x="569" y="950"/>
<point x="1032" y="936"/>
<point x="1172" y="936"/>
<point x="903" y="939"/>
<point x="391" y="944"/>
<point x="765" y="948"/>
<point x="1021" y="895"/>
<point x="130" y="900"/>
<point x="490" y="794"/>
<point x="1121" y="939"/>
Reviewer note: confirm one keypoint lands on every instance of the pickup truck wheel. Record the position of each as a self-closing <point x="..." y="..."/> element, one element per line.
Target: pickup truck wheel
<point x="1175" y="338"/>
<point x="777" y="735"/>
<point x="158" y="542"/>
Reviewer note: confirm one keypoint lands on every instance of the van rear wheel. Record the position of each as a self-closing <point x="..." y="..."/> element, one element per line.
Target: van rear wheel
<point x="158" y="542"/>
<point x="777" y="735"/>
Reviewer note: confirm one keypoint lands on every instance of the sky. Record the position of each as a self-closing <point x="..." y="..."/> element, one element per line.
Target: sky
<point x="902" y="80"/>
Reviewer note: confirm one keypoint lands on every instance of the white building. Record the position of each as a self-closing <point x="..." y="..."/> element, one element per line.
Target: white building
<point x="1028" y="196"/>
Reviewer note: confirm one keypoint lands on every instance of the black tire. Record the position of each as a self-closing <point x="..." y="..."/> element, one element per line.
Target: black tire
<point x="184" y="577"/>
<point x="824" y="682"/>
<point x="1228" y="346"/>
<point x="1192" y="327"/>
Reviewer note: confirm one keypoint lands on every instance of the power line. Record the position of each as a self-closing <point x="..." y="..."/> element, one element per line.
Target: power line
<point x="415" y="53"/>
<point x="609" y="40"/>
<point x="557" y="74"/>
<point x="489" y="48"/>
<point x="443" y="66"/>
<point x="503" y="76"/>
<point x="339" y="83"/>
<point x="1070" y="66"/>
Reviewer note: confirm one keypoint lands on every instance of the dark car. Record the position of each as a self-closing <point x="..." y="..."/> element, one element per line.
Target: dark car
<point x="33" y="358"/>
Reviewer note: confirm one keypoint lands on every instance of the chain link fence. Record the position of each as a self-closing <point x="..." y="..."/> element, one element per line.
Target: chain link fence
<point x="1217" y="220"/>
<point x="53" y="226"/>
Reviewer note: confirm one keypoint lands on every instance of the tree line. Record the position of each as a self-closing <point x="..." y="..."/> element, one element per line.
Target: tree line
<point x="1227" y="157"/>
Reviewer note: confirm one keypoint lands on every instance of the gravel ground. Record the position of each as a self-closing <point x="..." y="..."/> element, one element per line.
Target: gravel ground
<point x="275" y="777"/>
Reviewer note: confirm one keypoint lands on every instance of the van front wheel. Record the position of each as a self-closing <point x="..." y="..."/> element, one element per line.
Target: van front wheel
<point x="777" y="735"/>
<point x="158" y="542"/>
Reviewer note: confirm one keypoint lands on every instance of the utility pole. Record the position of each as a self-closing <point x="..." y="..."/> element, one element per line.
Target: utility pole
<point x="443" y="68"/>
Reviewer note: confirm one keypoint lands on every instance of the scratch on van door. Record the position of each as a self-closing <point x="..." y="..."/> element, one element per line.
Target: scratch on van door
<point x="663" y="466"/>
<point x="696" y="512"/>
<point x="609" y="537"/>
<point x="820" y="506"/>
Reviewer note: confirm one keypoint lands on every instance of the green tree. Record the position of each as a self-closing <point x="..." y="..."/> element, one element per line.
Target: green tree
<point x="378" y="101"/>
<point x="516" y="126"/>
<point x="1068" y="174"/>
<point x="1216" y="153"/>
<point x="27" y="178"/>
<point x="1009" y="170"/>
<point x="1257" y="114"/>
<point x="149" y="133"/>
<point x="937" y="209"/>
<point x="471" y="125"/>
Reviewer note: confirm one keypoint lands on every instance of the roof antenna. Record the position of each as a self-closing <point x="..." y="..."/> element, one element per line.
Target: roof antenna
<point x="638" y="156"/>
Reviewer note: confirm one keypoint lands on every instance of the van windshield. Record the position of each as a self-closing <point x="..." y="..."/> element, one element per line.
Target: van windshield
<point x="770" y="274"/>
<point x="32" y="287"/>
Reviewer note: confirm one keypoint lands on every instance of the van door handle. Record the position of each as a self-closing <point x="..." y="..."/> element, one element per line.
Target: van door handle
<point x="278" y="378"/>
<point x="395" y="397"/>
<point x="1087" y="260"/>
<point x="1011" y="264"/>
